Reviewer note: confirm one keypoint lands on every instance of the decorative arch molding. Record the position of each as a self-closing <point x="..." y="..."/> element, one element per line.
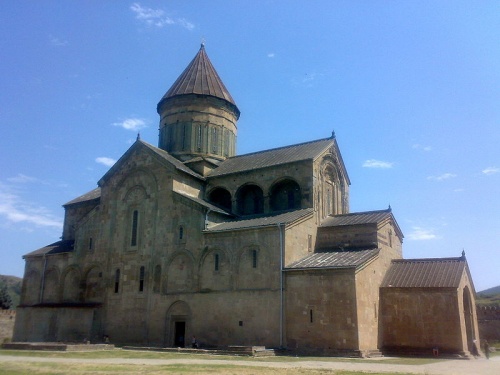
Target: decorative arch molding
<point x="31" y="287"/>
<point x="71" y="285"/>
<point x="332" y="194"/>
<point x="214" y="270"/>
<point x="177" y="324"/>
<point x="138" y="177"/>
<point x="252" y="268"/>
<point x="250" y="199"/>
<point x="221" y="197"/>
<point x="93" y="284"/>
<point x="179" y="273"/>
<point x="51" y="285"/>
<point x="285" y="194"/>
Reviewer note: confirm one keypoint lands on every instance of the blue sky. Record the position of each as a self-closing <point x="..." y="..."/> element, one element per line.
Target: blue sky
<point x="411" y="89"/>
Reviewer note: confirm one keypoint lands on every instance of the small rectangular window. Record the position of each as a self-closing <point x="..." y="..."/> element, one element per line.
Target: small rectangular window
<point x="141" y="279"/>
<point x="311" y="316"/>
<point x="90" y="244"/>
<point x="117" y="280"/>
<point x="309" y="242"/>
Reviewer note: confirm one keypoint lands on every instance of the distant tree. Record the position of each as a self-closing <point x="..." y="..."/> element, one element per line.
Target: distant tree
<point x="5" y="300"/>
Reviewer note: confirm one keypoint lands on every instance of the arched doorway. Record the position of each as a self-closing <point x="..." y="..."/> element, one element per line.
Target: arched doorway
<point x="177" y="325"/>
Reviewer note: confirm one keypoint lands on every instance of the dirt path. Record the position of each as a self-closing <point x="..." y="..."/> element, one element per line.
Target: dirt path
<point x="446" y="367"/>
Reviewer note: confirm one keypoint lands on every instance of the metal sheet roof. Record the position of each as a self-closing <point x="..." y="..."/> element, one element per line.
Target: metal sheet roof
<point x="425" y="273"/>
<point x="261" y="221"/>
<point x="368" y="217"/>
<point x="91" y="195"/>
<point x="337" y="259"/>
<point x="204" y="204"/>
<point x="64" y="246"/>
<point x="276" y="156"/>
<point x="200" y="77"/>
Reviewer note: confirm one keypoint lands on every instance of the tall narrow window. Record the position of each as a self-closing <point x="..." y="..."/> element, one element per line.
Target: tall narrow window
<point x="309" y="242"/>
<point x="181" y="232"/>
<point x="117" y="280"/>
<point x="141" y="279"/>
<point x="310" y="316"/>
<point x="214" y="140"/>
<point x="135" y="221"/>
<point x="90" y="244"/>
<point x="216" y="262"/>
<point x="199" y="137"/>
<point x="254" y="258"/>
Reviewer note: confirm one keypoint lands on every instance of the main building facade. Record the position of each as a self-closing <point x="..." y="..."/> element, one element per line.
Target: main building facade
<point x="260" y="249"/>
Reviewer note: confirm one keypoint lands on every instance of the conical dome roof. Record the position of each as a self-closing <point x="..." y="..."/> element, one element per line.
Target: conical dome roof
<point x="199" y="77"/>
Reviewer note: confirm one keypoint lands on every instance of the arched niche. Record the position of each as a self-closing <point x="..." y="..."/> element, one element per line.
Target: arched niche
<point x="94" y="286"/>
<point x="51" y="285"/>
<point x="250" y="200"/>
<point x="71" y="285"/>
<point x="31" y="288"/>
<point x="285" y="195"/>
<point x="215" y="271"/>
<point x="220" y="197"/>
<point x="179" y="274"/>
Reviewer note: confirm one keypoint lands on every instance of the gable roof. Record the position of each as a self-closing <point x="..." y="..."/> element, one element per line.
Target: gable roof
<point x="272" y="157"/>
<point x="205" y="204"/>
<point x="161" y="155"/>
<point x="425" y="273"/>
<point x="94" y="194"/>
<point x="379" y="217"/>
<point x="261" y="221"/>
<point x="63" y="246"/>
<point x="199" y="77"/>
<point x="334" y="259"/>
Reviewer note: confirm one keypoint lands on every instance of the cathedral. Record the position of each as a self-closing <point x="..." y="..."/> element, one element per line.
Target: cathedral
<point x="260" y="249"/>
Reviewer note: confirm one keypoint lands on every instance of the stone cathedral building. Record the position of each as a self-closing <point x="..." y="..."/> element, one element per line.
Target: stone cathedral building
<point x="188" y="238"/>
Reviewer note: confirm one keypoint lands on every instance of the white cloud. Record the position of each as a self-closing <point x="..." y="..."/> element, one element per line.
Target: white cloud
<point x="57" y="42"/>
<point x="491" y="170"/>
<point x="16" y="211"/>
<point x="444" y="176"/>
<point x="134" y="124"/>
<point x="22" y="179"/>
<point x="271" y="54"/>
<point x="108" y="162"/>
<point x="421" y="234"/>
<point x="372" y="163"/>
<point x="158" y="18"/>
<point x="416" y="146"/>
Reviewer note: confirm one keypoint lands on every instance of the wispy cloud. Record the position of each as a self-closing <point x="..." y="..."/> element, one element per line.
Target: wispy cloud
<point x="134" y="124"/>
<point x="444" y="176"/>
<point x="417" y="146"/>
<point x="491" y="170"/>
<point x="56" y="42"/>
<point x="271" y="55"/>
<point x="421" y="234"/>
<point x="108" y="162"/>
<point x="373" y="163"/>
<point x="158" y="18"/>
<point x="22" y="179"/>
<point x="15" y="210"/>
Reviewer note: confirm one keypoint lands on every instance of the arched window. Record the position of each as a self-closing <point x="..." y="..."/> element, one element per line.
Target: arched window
<point x="220" y="197"/>
<point x="254" y="258"/>
<point x="216" y="262"/>
<point x="181" y="232"/>
<point x="135" y="223"/>
<point x="285" y="195"/>
<point x="250" y="200"/>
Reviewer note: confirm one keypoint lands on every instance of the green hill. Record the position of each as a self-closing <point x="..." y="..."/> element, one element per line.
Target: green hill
<point x="13" y="288"/>
<point x="489" y="297"/>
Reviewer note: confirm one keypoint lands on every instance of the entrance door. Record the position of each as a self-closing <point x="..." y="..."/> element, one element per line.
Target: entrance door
<point x="179" y="334"/>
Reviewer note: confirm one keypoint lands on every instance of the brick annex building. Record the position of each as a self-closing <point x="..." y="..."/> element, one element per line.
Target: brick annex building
<point x="260" y="249"/>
